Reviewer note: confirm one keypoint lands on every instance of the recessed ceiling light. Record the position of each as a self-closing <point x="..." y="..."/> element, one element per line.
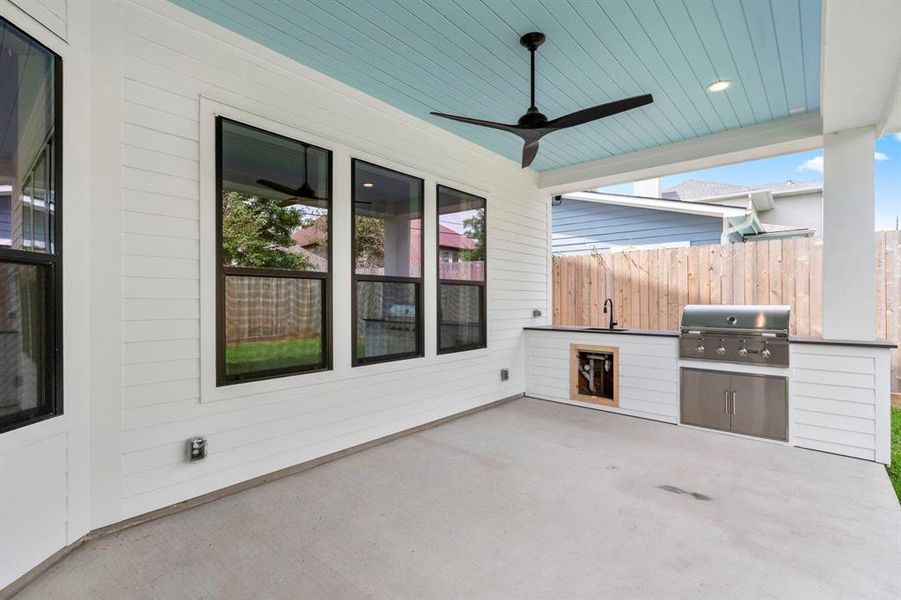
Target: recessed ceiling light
<point x="368" y="184"/>
<point x="719" y="85"/>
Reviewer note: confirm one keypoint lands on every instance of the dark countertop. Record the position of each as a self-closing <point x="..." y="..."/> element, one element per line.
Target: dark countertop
<point x="866" y="343"/>
<point x="651" y="332"/>
<point x="675" y="334"/>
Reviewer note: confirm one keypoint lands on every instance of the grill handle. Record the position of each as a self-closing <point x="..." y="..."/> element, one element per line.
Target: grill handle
<point x="736" y="330"/>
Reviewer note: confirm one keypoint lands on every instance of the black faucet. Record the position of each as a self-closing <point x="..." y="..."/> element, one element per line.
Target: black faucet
<point x="612" y="322"/>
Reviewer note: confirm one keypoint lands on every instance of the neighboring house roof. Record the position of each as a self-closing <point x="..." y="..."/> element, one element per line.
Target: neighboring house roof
<point x="448" y="238"/>
<point x="308" y="236"/>
<point x="320" y="263"/>
<point x="696" y="189"/>
<point x="702" y="190"/>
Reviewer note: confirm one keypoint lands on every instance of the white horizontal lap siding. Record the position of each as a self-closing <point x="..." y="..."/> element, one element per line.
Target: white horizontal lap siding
<point x="33" y="496"/>
<point x="839" y="395"/>
<point x="50" y="13"/>
<point x="171" y="60"/>
<point x="648" y="376"/>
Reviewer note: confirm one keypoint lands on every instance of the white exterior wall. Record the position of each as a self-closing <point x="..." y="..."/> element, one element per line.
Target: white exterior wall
<point x="138" y="158"/>
<point x="179" y="71"/>
<point x="797" y="210"/>
<point x="45" y="467"/>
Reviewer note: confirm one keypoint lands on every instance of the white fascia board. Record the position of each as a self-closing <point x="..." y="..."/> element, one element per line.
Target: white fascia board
<point x="691" y="208"/>
<point x="784" y="136"/>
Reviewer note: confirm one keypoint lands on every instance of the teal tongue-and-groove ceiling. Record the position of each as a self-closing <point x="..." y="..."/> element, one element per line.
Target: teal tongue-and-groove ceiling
<point x="463" y="57"/>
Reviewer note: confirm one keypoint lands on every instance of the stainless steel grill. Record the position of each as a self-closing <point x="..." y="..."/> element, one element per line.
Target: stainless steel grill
<point x="749" y="334"/>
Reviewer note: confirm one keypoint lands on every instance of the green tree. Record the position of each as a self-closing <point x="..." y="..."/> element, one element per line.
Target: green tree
<point x="474" y="229"/>
<point x="370" y="242"/>
<point x="256" y="232"/>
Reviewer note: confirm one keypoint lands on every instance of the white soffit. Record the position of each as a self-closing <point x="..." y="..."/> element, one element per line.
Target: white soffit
<point x="679" y="206"/>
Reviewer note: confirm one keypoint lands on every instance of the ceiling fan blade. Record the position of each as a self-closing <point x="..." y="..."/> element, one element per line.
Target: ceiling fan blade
<point x="599" y="112"/>
<point x="278" y="187"/>
<point x="479" y="122"/>
<point x="304" y="192"/>
<point x="529" y="150"/>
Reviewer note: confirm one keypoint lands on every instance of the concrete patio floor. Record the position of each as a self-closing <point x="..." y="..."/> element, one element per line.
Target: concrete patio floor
<point x="527" y="500"/>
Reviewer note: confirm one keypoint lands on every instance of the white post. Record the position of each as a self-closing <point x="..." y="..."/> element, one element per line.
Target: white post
<point x="397" y="245"/>
<point x="849" y="278"/>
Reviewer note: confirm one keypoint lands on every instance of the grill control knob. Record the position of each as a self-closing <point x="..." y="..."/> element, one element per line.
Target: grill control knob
<point x="742" y="352"/>
<point x="700" y="349"/>
<point x="721" y="350"/>
<point x="765" y="353"/>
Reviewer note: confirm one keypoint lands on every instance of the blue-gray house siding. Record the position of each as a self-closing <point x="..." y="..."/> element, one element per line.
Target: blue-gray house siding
<point x="581" y="226"/>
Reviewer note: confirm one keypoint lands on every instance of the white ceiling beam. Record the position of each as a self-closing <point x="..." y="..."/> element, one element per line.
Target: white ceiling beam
<point x="861" y="66"/>
<point x="794" y="134"/>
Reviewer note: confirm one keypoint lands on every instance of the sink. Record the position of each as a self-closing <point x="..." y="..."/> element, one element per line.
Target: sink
<point x="614" y="330"/>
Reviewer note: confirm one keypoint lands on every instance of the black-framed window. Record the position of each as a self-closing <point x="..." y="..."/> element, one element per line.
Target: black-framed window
<point x="273" y="224"/>
<point x="387" y="263"/>
<point x="30" y="230"/>
<point x="461" y="271"/>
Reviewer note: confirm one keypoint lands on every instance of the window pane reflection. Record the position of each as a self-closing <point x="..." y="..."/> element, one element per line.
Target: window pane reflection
<point x="27" y="80"/>
<point x="272" y="323"/>
<point x="461" y="316"/>
<point x="386" y="319"/>
<point x="461" y="235"/>
<point x="387" y="222"/>
<point x="24" y="367"/>
<point x="276" y="196"/>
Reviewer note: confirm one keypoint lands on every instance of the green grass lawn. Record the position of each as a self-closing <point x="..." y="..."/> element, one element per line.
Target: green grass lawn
<point x="247" y="357"/>
<point x="894" y="470"/>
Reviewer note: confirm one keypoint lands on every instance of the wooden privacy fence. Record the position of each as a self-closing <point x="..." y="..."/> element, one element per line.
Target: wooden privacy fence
<point x="650" y="287"/>
<point x="271" y="308"/>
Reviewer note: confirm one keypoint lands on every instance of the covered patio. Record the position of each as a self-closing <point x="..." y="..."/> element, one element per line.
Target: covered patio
<point x="479" y="508"/>
<point x="240" y="239"/>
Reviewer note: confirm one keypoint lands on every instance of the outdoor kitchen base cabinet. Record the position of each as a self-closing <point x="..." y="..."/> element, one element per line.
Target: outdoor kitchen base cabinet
<point x="748" y="404"/>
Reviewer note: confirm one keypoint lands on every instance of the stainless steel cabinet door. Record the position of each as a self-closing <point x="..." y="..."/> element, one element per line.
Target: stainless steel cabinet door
<point x="759" y="406"/>
<point x="704" y="399"/>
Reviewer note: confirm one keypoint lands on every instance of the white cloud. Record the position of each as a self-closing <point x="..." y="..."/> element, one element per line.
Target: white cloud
<point x="811" y="164"/>
<point x="816" y="163"/>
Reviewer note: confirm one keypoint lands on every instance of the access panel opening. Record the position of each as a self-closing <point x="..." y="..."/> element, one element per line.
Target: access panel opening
<point x="594" y="374"/>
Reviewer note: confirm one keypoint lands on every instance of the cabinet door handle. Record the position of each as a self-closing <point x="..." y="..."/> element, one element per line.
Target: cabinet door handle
<point x="726" y="401"/>
<point x="733" y="401"/>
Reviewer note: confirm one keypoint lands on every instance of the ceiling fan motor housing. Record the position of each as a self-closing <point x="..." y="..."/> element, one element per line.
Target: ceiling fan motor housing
<point x="532" y="40"/>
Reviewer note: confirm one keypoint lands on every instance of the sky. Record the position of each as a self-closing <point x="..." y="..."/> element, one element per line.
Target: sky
<point x="805" y="166"/>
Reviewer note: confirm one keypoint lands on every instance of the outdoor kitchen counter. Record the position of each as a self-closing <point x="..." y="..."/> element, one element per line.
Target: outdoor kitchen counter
<point x="839" y="390"/>
<point x="653" y="332"/>
<point x="668" y="333"/>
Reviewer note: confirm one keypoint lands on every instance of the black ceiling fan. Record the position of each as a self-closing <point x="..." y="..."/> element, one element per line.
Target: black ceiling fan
<point x="534" y="125"/>
<point x="305" y="191"/>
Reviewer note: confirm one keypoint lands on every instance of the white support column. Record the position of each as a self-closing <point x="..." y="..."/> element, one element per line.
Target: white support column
<point x="849" y="279"/>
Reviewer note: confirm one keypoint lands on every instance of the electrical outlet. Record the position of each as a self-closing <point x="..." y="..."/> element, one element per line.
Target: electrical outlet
<point x="505" y="374"/>
<point x="196" y="449"/>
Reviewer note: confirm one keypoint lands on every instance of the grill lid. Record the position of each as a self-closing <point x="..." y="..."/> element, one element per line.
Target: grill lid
<point x="728" y="317"/>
